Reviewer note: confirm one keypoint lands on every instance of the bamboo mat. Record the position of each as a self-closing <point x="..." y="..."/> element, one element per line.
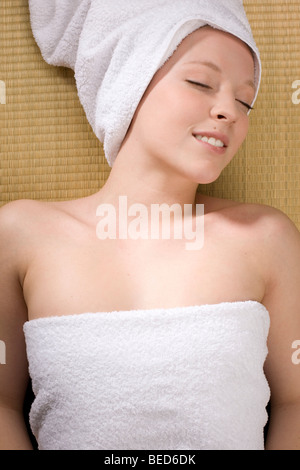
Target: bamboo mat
<point x="267" y="168"/>
<point x="49" y="152"/>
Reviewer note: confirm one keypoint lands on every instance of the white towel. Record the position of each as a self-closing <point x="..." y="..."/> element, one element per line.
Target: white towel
<point x="116" y="46"/>
<point x="183" y="378"/>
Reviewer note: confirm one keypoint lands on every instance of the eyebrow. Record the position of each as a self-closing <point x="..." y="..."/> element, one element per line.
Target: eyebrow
<point x="214" y="67"/>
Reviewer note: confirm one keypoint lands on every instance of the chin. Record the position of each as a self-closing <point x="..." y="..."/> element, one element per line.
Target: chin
<point x="206" y="180"/>
<point x="206" y="175"/>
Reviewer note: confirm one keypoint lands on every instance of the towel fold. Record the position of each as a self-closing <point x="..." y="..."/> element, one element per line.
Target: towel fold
<point x="116" y="47"/>
<point x="183" y="378"/>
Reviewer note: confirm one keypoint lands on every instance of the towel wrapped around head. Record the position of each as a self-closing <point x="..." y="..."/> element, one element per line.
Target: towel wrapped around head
<point x="116" y="47"/>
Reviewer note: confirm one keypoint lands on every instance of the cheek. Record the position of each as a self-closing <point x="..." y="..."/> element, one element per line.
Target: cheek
<point x="160" y="117"/>
<point x="244" y="129"/>
<point x="171" y="104"/>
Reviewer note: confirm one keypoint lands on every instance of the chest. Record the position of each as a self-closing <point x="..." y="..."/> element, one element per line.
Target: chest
<point x="70" y="276"/>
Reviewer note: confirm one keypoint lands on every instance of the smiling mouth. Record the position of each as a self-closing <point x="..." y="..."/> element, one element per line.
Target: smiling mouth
<point x="211" y="140"/>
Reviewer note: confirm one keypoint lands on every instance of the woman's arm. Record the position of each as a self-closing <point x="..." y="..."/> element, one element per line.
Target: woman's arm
<point x="13" y="314"/>
<point x="282" y="299"/>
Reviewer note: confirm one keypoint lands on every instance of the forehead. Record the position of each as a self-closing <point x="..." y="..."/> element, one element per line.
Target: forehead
<point x="221" y="50"/>
<point x="212" y="45"/>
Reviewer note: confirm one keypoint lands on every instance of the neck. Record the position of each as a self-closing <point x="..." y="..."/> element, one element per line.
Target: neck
<point x="147" y="183"/>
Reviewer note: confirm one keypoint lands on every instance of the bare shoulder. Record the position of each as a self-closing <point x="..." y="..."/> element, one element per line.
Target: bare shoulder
<point x="25" y="218"/>
<point x="269" y="236"/>
<point x="20" y="210"/>
<point x="18" y="220"/>
<point x="268" y="222"/>
<point x="272" y="226"/>
<point x="13" y="216"/>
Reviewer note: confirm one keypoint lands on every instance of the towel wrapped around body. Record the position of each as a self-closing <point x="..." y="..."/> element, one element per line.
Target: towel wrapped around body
<point x="178" y="378"/>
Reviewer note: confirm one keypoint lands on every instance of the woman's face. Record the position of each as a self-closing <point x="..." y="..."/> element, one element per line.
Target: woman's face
<point x="194" y="114"/>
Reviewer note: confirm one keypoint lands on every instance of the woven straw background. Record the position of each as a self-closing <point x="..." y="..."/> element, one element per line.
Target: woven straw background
<point x="49" y="152"/>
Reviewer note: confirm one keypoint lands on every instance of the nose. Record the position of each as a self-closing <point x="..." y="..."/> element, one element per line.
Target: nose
<point x="224" y="108"/>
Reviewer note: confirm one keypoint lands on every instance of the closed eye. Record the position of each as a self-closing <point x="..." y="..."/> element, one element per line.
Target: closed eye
<point x="245" y="104"/>
<point x="203" y="85"/>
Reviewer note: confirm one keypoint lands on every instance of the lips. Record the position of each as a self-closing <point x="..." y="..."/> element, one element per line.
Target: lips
<point x="211" y="140"/>
<point x="215" y="139"/>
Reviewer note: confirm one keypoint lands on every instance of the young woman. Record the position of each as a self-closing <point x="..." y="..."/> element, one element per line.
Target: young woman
<point x="141" y="343"/>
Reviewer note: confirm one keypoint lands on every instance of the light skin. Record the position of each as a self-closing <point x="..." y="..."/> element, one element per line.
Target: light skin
<point x="52" y="263"/>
